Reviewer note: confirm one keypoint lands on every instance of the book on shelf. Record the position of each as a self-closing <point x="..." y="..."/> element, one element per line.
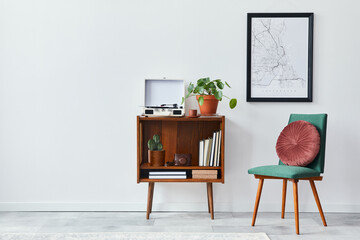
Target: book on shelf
<point x="201" y="153"/>
<point x="167" y="173"/>
<point x="218" y="149"/>
<point x="198" y="172"/>
<point x="206" y="151"/>
<point x="212" y="151"/>
<point x="209" y="150"/>
<point x="204" y="176"/>
<point x="167" y="176"/>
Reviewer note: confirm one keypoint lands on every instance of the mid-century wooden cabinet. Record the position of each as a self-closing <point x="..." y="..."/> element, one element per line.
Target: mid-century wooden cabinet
<point x="178" y="135"/>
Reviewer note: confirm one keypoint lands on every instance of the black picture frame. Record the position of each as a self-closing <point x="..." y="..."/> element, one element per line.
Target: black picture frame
<point x="307" y="93"/>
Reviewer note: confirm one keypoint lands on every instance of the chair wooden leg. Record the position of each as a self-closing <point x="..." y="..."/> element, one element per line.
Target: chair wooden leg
<point x="149" y="200"/>
<point x="258" y="195"/>
<point x="283" y="198"/>
<point x="316" y="196"/>
<point x="211" y="201"/>
<point x="296" y="205"/>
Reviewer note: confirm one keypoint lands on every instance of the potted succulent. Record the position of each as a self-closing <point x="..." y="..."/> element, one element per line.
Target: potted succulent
<point x="156" y="154"/>
<point x="208" y="94"/>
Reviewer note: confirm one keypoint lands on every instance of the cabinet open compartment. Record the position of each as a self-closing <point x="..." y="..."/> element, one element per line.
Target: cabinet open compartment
<point x="178" y="135"/>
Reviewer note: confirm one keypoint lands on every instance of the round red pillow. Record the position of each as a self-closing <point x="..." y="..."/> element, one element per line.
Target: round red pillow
<point x="298" y="144"/>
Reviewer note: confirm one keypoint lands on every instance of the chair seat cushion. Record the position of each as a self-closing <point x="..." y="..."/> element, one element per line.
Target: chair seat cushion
<point x="284" y="171"/>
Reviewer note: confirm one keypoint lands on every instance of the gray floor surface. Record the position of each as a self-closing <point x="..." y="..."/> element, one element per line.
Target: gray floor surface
<point x="340" y="225"/>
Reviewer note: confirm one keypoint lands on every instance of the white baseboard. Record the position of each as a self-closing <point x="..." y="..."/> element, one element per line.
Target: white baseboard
<point x="194" y="207"/>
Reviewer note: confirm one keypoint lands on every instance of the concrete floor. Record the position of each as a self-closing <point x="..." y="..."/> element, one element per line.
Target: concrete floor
<point x="340" y="225"/>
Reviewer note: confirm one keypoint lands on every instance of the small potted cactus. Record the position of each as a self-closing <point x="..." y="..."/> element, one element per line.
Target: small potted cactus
<point x="156" y="154"/>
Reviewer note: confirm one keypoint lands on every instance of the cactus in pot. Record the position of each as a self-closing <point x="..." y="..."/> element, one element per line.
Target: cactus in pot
<point x="154" y="144"/>
<point x="156" y="154"/>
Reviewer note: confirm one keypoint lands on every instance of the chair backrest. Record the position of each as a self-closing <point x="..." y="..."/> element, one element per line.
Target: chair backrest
<point x="319" y="121"/>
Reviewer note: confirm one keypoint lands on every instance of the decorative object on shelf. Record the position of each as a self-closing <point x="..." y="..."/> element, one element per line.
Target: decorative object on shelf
<point x="182" y="159"/>
<point x="169" y="164"/>
<point x="193" y="113"/>
<point x="156" y="154"/>
<point x="208" y="94"/>
<point x="163" y="97"/>
<point x="279" y="57"/>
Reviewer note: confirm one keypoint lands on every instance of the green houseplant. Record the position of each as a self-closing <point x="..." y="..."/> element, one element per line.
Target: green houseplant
<point x="208" y="94"/>
<point x="156" y="153"/>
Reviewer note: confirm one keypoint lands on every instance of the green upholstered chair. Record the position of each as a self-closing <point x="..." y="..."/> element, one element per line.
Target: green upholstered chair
<point x="311" y="172"/>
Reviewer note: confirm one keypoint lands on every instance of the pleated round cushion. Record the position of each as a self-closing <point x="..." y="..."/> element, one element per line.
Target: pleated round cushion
<point x="298" y="144"/>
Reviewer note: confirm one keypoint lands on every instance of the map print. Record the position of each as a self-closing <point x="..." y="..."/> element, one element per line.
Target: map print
<point x="279" y="57"/>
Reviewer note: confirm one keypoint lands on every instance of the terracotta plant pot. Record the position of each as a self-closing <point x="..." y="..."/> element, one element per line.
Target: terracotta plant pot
<point x="156" y="158"/>
<point x="209" y="106"/>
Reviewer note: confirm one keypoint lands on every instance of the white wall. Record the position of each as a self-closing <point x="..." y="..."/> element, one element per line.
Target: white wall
<point x="71" y="82"/>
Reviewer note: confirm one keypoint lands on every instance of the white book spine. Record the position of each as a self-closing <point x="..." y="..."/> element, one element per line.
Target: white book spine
<point x="216" y="149"/>
<point x="219" y="150"/>
<point x="201" y="153"/>
<point x="168" y="177"/>
<point x="167" y="173"/>
<point x="208" y="152"/>
<point x="212" y="152"/>
<point x="206" y="148"/>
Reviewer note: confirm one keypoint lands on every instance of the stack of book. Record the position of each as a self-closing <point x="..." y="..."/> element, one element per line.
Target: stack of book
<point x="209" y="150"/>
<point x="167" y="175"/>
<point x="204" y="174"/>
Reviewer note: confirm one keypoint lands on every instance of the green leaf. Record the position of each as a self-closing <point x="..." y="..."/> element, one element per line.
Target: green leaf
<point x="190" y="88"/>
<point x="201" y="100"/>
<point x="211" y="85"/>
<point x="207" y="80"/>
<point x="227" y="84"/>
<point x="220" y="84"/>
<point x="159" y="146"/>
<point x="218" y="95"/>
<point x="213" y="91"/>
<point x="199" y="90"/>
<point x="233" y="103"/>
<point x="201" y="82"/>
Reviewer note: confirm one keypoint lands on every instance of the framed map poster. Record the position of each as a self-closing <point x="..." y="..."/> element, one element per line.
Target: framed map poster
<point x="279" y="57"/>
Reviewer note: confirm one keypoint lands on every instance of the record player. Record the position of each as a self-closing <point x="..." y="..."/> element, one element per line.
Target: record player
<point x="163" y="98"/>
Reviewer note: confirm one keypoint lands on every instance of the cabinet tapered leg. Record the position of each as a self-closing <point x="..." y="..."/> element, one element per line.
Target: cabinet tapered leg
<point x="316" y="196"/>
<point x="150" y="199"/>
<point x="210" y="199"/>
<point x="283" y="198"/>
<point x="296" y="205"/>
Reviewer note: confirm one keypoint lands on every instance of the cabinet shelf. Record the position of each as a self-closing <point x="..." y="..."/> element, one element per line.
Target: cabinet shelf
<point x="180" y="180"/>
<point x="147" y="166"/>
